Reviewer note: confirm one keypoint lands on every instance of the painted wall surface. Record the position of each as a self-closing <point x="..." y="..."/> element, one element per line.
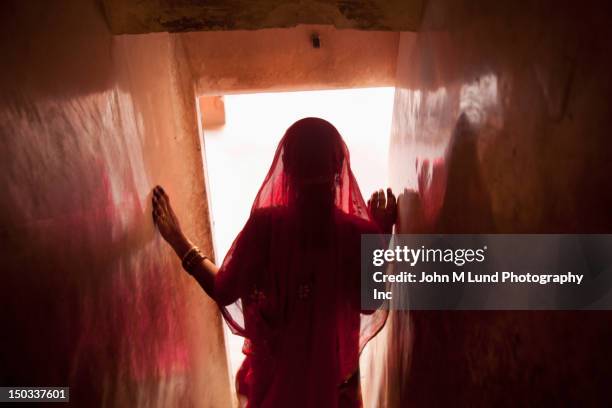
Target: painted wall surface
<point x="502" y="118"/>
<point x="91" y="298"/>
<point x="143" y="16"/>
<point x="285" y="60"/>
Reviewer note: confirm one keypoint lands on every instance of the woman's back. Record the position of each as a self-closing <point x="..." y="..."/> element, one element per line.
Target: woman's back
<point x="300" y="305"/>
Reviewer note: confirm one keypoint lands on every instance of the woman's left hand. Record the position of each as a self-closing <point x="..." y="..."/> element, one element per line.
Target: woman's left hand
<point x="165" y="218"/>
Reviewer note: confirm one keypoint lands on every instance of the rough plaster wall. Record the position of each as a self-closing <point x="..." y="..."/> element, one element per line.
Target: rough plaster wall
<point x="284" y="59"/>
<point x="142" y="16"/>
<point x="534" y="84"/>
<point x="91" y="296"/>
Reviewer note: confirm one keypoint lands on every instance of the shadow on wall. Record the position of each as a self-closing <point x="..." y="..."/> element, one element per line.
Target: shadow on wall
<point x="466" y="206"/>
<point x="449" y="186"/>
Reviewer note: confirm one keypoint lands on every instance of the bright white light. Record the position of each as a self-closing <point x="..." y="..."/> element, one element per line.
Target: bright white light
<point x="239" y="155"/>
<point x="479" y="97"/>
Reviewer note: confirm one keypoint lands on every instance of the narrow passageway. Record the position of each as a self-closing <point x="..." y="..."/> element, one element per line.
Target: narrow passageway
<point x="494" y="115"/>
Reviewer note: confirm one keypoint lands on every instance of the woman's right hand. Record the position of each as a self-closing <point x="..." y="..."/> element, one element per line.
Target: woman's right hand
<point x="383" y="209"/>
<point x="167" y="222"/>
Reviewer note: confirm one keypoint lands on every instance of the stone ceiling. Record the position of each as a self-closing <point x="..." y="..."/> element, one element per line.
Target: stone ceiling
<point x="144" y="16"/>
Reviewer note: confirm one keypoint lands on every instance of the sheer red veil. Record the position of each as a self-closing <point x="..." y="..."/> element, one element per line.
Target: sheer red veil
<point x="308" y="206"/>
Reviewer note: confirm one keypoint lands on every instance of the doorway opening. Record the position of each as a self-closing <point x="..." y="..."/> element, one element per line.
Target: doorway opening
<point x="241" y="134"/>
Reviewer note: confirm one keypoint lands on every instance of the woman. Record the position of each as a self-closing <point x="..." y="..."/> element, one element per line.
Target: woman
<point x="290" y="284"/>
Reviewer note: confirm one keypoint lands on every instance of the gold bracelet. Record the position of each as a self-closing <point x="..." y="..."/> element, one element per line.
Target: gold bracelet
<point x="189" y="262"/>
<point x="189" y="253"/>
<point x="191" y="258"/>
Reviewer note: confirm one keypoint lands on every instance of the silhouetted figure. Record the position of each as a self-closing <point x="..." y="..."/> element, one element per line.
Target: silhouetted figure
<point x="290" y="284"/>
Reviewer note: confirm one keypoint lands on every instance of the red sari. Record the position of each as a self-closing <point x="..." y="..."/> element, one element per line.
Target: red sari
<point x="290" y="284"/>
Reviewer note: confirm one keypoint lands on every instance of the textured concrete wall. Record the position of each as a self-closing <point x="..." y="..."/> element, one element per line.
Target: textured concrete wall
<point x="143" y="16"/>
<point x="284" y="59"/>
<point x="91" y="297"/>
<point x="532" y="154"/>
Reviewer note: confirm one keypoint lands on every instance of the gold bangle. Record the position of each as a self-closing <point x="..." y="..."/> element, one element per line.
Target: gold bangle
<point x="193" y="262"/>
<point x="189" y="256"/>
<point x="190" y="261"/>
<point x="189" y="253"/>
<point x="193" y="257"/>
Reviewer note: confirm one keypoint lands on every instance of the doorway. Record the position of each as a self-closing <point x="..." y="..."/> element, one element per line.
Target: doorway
<point x="240" y="147"/>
